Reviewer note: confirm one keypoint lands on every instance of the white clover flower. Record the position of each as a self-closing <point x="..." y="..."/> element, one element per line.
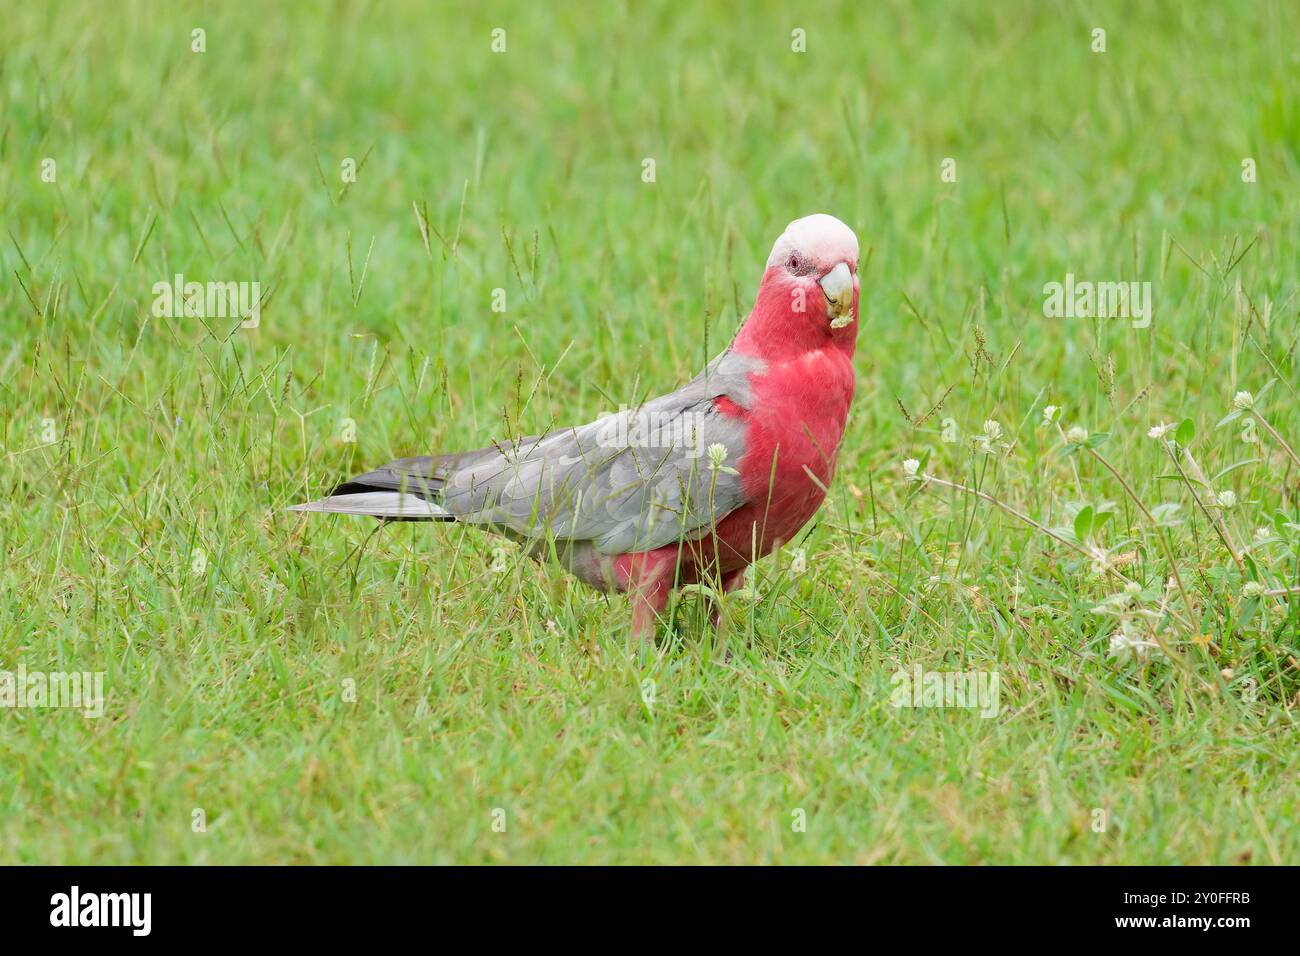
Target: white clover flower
<point x="1225" y="499"/>
<point x="717" y="456"/>
<point x="1252" y="589"/>
<point x="1125" y="640"/>
<point x="1051" y="414"/>
<point x="1263" y="534"/>
<point x="1159" y="431"/>
<point x="1244" y="401"/>
<point x="1133" y="589"/>
<point x="1249" y="690"/>
<point x="910" y="467"/>
<point x="1077" y="435"/>
<point x="989" y="441"/>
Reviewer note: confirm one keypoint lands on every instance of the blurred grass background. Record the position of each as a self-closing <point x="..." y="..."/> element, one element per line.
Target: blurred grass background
<point x="476" y="691"/>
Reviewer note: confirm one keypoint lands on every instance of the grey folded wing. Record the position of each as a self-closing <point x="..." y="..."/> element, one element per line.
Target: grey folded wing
<point x="631" y="481"/>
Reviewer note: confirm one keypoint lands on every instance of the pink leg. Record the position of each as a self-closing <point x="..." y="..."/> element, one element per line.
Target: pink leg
<point x="647" y="604"/>
<point x="730" y="582"/>
<point x="649" y="584"/>
<point x="733" y="580"/>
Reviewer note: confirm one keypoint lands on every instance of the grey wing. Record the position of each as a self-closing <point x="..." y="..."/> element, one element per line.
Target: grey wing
<point x="631" y="481"/>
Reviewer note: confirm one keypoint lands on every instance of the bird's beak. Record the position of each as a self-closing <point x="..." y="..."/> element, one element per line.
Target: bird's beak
<point x="837" y="286"/>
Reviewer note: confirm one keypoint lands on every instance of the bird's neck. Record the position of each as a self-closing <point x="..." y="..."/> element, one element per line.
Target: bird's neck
<point x="782" y="327"/>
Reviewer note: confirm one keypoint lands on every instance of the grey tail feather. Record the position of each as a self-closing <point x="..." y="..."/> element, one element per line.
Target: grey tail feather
<point x="391" y="505"/>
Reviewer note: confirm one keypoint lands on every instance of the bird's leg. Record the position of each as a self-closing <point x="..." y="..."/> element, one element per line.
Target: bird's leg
<point x="648" y="589"/>
<point x="647" y="604"/>
<point x="730" y="581"/>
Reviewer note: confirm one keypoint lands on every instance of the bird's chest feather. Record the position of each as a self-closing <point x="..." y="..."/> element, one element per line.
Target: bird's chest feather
<point x="797" y="421"/>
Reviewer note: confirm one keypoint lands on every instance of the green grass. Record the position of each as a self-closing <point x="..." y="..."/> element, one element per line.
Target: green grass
<point x="475" y="690"/>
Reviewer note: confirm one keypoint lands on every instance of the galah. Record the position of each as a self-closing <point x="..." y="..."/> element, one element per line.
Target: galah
<point x="692" y="486"/>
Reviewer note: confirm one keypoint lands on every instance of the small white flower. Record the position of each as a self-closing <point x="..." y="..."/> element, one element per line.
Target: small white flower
<point x="910" y="467"/>
<point x="1077" y="435"/>
<point x="1132" y="589"/>
<point x="717" y="457"/>
<point x="1159" y="431"/>
<point x="1263" y="534"/>
<point x="1249" y="690"/>
<point x="989" y="441"/>
<point x="1225" y="499"/>
<point x="1051" y="414"/>
<point x="1252" y="589"/>
<point x="1244" y="401"/>
<point x="1125" y="640"/>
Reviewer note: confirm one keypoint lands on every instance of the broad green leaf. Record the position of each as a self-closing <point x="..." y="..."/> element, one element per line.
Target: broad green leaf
<point x="1083" y="522"/>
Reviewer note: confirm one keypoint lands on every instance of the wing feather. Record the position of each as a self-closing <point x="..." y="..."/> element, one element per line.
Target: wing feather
<point x="631" y="481"/>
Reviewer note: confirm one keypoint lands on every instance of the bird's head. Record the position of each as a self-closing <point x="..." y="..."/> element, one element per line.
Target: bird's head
<point x="809" y="292"/>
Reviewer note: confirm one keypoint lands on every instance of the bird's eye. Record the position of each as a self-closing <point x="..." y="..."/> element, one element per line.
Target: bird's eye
<point x="794" y="264"/>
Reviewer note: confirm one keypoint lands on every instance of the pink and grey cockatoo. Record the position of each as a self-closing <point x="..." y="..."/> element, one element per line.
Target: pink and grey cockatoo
<point x="692" y="486"/>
